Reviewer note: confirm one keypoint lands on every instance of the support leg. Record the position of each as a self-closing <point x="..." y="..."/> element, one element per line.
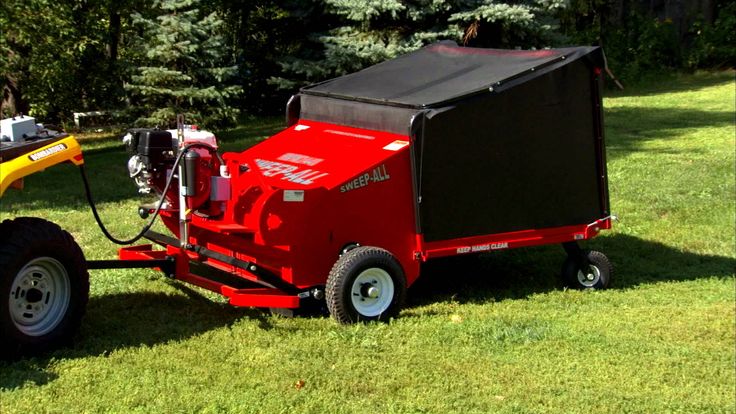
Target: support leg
<point x="574" y="251"/>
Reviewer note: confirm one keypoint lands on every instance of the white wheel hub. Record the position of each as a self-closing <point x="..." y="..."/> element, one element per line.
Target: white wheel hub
<point x="39" y="296"/>
<point x="590" y="277"/>
<point x="372" y="292"/>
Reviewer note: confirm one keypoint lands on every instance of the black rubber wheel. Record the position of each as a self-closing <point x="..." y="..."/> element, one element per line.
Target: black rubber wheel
<point x="44" y="286"/>
<point x="597" y="276"/>
<point x="365" y="284"/>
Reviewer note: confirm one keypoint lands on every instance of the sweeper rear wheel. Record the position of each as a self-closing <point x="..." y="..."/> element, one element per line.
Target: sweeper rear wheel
<point x="595" y="273"/>
<point x="44" y="285"/>
<point x="366" y="283"/>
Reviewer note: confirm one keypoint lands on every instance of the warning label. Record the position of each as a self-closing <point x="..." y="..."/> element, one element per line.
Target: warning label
<point x="396" y="145"/>
<point x="482" y="248"/>
<point x="294" y="196"/>
<point x="300" y="159"/>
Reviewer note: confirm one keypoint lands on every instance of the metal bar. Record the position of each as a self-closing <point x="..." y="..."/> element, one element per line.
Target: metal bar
<point x="600" y="144"/>
<point x="161" y="239"/>
<point x="266" y="278"/>
<point x="202" y="282"/>
<point x="209" y="271"/>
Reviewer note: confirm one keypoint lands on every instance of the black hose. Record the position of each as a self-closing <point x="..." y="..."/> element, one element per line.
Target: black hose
<point x="160" y="203"/>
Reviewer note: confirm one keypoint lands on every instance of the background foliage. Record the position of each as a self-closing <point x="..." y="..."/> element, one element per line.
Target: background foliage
<point x="230" y="57"/>
<point x="184" y="67"/>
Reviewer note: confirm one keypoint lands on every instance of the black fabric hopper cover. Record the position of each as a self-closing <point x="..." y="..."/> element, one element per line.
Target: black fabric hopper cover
<point x="502" y="140"/>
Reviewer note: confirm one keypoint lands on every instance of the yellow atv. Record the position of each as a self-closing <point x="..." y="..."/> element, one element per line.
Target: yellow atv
<point x="44" y="284"/>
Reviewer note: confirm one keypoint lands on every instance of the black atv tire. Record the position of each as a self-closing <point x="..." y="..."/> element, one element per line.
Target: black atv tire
<point x="44" y="285"/>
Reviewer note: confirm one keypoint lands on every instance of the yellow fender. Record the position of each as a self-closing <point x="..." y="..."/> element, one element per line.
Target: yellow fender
<point x="65" y="149"/>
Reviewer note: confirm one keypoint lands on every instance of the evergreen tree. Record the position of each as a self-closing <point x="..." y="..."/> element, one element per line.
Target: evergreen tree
<point x="184" y="67"/>
<point x="360" y="33"/>
<point x="263" y="32"/>
<point x="510" y="24"/>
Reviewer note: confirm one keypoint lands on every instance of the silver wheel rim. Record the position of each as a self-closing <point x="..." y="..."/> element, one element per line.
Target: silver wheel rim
<point x="591" y="277"/>
<point x="39" y="296"/>
<point x="372" y="292"/>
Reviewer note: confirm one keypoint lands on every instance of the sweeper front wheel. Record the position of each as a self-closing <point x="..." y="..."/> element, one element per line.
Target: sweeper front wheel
<point x="365" y="284"/>
<point x="44" y="285"/>
<point x="593" y="273"/>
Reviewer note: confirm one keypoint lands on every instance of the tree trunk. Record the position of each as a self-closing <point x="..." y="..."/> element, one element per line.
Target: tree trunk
<point x="113" y="35"/>
<point x="13" y="102"/>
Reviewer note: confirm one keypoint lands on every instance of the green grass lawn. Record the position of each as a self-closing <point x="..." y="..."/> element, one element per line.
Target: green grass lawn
<point x="498" y="334"/>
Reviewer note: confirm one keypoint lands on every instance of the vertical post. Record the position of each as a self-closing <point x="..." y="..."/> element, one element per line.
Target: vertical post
<point x="183" y="212"/>
<point x="574" y="251"/>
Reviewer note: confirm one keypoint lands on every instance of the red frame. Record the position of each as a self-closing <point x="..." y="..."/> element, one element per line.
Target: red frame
<point x="298" y="198"/>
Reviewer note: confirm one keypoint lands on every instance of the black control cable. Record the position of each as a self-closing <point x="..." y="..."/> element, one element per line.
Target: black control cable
<point x="160" y="203"/>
